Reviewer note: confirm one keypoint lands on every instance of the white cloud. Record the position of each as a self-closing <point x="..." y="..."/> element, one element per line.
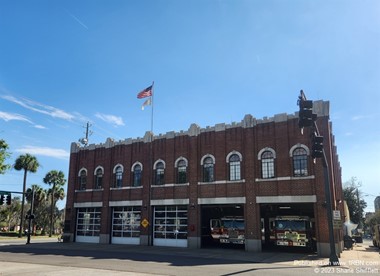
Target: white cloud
<point x="6" y="116"/>
<point x="112" y="119"/>
<point x="45" y="151"/>
<point x="360" y="117"/>
<point x="40" y="108"/>
<point x="13" y="116"/>
<point x="79" y="117"/>
<point x="77" y="20"/>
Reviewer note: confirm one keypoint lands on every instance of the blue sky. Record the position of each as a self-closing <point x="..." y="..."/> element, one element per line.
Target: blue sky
<point x="63" y="63"/>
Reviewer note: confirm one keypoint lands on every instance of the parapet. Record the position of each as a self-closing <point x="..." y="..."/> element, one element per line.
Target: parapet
<point x="321" y="108"/>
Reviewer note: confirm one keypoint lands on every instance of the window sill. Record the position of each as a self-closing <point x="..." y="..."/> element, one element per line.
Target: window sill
<point x="89" y="190"/>
<point x="126" y="188"/>
<point x="171" y="185"/>
<point x="222" y="182"/>
<point x="285" y="178"/>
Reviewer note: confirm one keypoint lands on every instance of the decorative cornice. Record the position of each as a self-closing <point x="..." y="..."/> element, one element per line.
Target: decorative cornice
<point x="321" y="108"/>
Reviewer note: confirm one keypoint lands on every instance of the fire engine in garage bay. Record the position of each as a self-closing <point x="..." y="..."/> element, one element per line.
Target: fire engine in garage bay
<point x="229" y="229"/>
<point x="294" y="231"/>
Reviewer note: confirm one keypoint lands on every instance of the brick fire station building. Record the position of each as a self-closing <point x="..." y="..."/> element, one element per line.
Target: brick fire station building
<point x="163" y="190"/>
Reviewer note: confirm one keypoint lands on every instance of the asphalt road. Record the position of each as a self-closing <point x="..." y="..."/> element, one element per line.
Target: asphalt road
<point x="52" y="258"/>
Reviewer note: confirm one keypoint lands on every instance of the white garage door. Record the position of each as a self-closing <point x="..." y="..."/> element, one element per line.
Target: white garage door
<point x="88" y="225"/>
<point x="170" y="226"/>
<point x="126" y="225"/>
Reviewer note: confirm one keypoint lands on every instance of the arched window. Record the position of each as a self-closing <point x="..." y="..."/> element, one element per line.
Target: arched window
<point x="98" y="178"/>
<point x="300" y="162"/>
<point x="234" y="164"/>
<point x="159" y="173"/>
<point x="118" y="177"/>
<point x="181" y="172"/>
<point x="208" y="169"/>
<point x="82" y="179"/>
<point x="267" y="164"/>
<point x="137" y="169"/>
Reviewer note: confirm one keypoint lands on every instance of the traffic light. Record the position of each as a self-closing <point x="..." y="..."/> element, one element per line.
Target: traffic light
<point x="2" y="197"/>
<point x="306" y="116"/>
<point x="9" y="199"/>
<point x="317" y="147"/>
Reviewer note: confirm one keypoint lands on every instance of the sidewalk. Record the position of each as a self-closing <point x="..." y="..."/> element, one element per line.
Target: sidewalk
<point x="364" y="257"/>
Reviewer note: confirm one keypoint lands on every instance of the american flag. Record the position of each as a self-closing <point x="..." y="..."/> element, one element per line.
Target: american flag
<point x="147" y="92"/>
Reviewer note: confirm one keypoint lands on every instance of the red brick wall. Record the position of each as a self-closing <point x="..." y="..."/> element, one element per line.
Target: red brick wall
<point x="280" y="136"/>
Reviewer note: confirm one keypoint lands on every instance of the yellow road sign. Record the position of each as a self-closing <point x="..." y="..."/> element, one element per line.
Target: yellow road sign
<point x="145" y="223"/>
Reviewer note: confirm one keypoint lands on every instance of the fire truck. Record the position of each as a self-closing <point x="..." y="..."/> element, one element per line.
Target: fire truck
<point x="228" y="230"/>
<point x="294" y="231"/>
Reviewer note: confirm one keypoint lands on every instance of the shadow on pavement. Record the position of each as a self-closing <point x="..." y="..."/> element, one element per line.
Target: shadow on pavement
<point x="175" y="256"/>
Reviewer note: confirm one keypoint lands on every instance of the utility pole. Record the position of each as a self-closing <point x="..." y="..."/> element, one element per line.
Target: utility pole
<point x="359" y="210"/>
<point x="84" y="141"/>
<point x="308" y="119"/>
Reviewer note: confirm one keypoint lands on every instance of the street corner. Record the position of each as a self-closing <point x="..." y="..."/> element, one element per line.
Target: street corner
<point x="363" y="258"/>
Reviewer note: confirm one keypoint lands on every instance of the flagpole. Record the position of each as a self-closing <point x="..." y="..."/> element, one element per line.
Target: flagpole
<point x="151" y="119"/>
<point x="150" y="210"/>
<point x="148" y="92"/>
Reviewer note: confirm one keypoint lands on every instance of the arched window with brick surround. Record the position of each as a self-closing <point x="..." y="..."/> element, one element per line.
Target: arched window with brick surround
<point x="136" y="174"/>
<point x="300" y="153"/>
<point x="118" y="176"/>
<point x="99" y="177"/>
<point x="159" y="172"/>
<point x="233" y="160"/>
<point x="181" y="170"/>
<point x="82" y="179"/>
<point x="267" y="156"/>
<point x="207" y="163"/>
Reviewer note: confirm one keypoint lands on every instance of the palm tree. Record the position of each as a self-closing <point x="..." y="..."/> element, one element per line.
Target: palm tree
<point x="58" y="195"/>
<point x="57" y="179"/>
<point x="36" y="196"/>
<point x="27" y="163"/>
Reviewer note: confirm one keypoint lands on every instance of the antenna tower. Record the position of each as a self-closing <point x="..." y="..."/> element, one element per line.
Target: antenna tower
<point x="84" y="141"/>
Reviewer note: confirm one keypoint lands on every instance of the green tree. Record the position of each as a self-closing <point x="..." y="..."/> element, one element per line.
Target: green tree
<point x="42" y="217"/>
<point x="35" y="194"/>
<point x="4" y="154"/>
<point x="355" y="203"/>
<point x="26" y="163"/>
<point x="57" y="180"/>
<point x="58" y="195"/>
<point x="36" y="197"/>
<point x="10" y="214"/>
<point x="60" y="223"/>
<point x="373" y="220"/>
